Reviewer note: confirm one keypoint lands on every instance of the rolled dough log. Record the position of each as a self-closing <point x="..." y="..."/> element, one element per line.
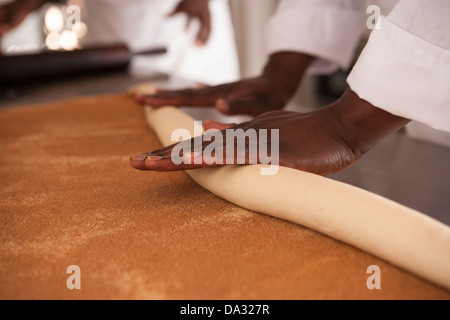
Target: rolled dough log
<point x="404" y="237"/>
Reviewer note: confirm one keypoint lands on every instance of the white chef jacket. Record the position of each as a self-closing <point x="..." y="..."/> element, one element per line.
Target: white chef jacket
<point x="143" y="24"/>
<point x="405" y="67"/>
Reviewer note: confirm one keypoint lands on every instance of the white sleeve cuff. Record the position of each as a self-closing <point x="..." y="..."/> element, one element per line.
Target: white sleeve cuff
<point x="330" y="33"/>
<point x="404" y="75"/>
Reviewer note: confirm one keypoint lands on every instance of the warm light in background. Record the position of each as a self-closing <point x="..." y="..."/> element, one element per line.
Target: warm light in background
<point x="59" y="34"/>
<point x="68" y="40"/>
<point x="52" y="41"/>
<point x="61" y="30"/>
<point x="54" y="20"/>
<point x="80" y="29"/>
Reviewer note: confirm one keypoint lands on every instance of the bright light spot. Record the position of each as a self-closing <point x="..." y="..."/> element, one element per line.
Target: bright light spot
<point x="68" y="40"/>
<point x="80" y="29"/>
<point x="52" y="41"/>
<point x="54" y="20"/>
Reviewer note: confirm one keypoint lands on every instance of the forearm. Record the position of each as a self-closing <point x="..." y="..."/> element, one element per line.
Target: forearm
<point x="361" y="124"/>
<point x="286" y="70"/>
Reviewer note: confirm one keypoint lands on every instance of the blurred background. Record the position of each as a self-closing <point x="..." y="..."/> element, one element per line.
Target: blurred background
<point x="45" y="29"/>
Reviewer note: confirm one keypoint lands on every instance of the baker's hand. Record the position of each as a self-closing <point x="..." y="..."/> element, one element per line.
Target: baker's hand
<point x="196" y="9"/>
<point x="322" y="142"/>
<point x="13" y="14"/>
<point x="270" y="91"/>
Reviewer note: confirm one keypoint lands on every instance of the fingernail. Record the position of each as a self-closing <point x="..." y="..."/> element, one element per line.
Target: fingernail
<point x="155" y="158"/>
<point x="190" y="155"/>
<point x="138" y="157"/>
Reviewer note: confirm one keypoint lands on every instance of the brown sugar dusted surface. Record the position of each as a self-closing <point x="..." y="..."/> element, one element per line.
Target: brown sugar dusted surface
<point x="69" y="197"/>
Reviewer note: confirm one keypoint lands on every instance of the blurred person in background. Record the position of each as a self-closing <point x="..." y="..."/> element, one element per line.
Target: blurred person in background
<point x="197" y="33"/>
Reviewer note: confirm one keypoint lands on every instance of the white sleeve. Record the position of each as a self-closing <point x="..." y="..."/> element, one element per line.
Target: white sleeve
<point x="405" y="67"/>
<point x="327" y="29"/>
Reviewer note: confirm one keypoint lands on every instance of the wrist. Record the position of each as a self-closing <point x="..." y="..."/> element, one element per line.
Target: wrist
<point x="361" y="124"/>
<point x="285" y="70"/>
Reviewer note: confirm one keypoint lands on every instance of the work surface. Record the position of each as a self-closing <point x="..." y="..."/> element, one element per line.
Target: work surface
<point x="69" y="197"/>
<point x="409" y="171"/>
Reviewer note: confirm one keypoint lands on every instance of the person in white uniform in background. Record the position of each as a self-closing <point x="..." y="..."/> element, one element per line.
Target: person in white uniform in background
<point x="198" y="33"/>
<point x="403" y="74"/>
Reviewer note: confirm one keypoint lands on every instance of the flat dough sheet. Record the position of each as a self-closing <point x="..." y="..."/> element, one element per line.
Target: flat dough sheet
<point x="69" y="197"/>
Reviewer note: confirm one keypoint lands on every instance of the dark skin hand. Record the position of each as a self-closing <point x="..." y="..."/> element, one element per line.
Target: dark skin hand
<point x="270" y="91"/>
<point x="323" y="142"/>
<point x="196" y="9"/>
<point x="13" y="14"/>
